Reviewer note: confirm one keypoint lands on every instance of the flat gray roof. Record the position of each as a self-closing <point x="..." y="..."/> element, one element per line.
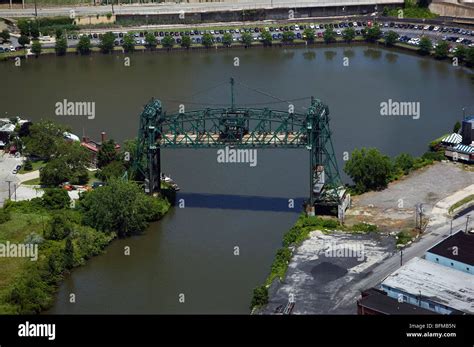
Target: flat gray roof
<point x="437" y="283"/>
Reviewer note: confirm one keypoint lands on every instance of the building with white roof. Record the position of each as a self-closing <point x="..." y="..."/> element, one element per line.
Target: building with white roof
<point x="432" y="286"/>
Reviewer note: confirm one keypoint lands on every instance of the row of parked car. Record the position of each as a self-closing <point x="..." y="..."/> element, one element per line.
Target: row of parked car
<point x="6" y="49"/>
<point x="430" y="28"/>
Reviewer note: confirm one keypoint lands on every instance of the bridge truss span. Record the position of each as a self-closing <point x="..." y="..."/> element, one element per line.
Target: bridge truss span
<point x="240" y="127"/>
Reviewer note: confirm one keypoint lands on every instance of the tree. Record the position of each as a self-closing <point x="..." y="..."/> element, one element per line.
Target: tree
<point x="456" y="127"/>
<point x="460" y="52"/>
<point x="23" y="40"/>
<point x="247" y="39"/>
<point x="128" y="43"/>
<point x="425" y="46"/>
<point x="404" y="162"/>
<point x="34" y="32"/>
<point x="308" y="34"/>
<point x="5" y="35"/>
<point x="329" y="35"/>
<point x="260" y="296"/>
<point x="55" y="199"/>
<point x="470" y="56"/>
<point x="84" y="45"/>
<point x="58" y="33"/>
<point x="120" y="206"/>
<point x="267" y="38"/>
<point x="186" y="42"/>
<point x="36" y="48"/>
<point x="54" y="173"/>
<point x="61" y="46"/>
<point x="390" y="38"/>
<point x="227" y="39"/>
<point x="69" y="254"/>
<point x="369" y="169"/>
<point x="115" y="169"/>
<point x="44" y="139"/>
<point x="59" y="226"/>
<point x="441" y="50"/>
<point x="106" y="44"/>
<point x="106" y="154"/>
<point x="373" y="33"/>
<point x="150" y="41"/>
<point x="168" y="42"/>
<point x="24" y="25"/>
<point x="288" y="36"/>
<point x="207" y="40"/>
<point x="348" y="34"/>
<point x="69" y="164"/>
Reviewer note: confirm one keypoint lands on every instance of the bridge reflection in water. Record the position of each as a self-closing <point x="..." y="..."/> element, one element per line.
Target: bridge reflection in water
<point x="239" y="202"/>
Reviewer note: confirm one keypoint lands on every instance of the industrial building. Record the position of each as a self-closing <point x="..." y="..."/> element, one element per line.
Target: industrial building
<point x="376" y="302"/>
<point x="456" y="252"/>
<point x="432" y="286"/>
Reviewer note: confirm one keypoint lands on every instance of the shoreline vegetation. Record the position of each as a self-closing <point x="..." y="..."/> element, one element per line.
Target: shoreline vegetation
<point x="66" y="238"/>
<point x="384" y="170"/>
<point x="319" y="43"/>
<point x="135" y="40"/>
<point x="64" y="232"/>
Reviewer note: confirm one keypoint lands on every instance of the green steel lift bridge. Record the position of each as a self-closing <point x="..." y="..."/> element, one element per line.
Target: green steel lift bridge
<point x="239" y="127"/>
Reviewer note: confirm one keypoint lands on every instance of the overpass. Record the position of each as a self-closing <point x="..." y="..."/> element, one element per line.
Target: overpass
<point x="124" y="7"/>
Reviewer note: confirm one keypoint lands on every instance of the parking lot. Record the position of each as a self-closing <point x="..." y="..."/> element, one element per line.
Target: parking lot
<point x="409" y="33"/>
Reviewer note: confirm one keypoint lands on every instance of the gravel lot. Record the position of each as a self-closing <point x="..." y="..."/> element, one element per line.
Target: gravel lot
<point x="393" y="208"/>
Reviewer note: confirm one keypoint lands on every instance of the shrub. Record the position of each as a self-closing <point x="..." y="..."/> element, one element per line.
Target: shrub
<point x="4" y="216"/>
<point x="59" y="227"/>
<point x="364" y="227"/>
<point x="56" y="198"/>
<point x="260" y="297"/>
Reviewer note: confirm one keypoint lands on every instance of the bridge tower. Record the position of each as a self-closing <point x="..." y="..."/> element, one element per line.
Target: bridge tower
<point x="147" y="161"/>
<point x="326" y="188"/>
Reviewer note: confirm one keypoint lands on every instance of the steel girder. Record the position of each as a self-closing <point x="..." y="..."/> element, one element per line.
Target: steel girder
<point x="241" y="128"/>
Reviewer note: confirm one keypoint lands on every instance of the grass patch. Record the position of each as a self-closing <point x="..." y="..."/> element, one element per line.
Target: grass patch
<point x="36" y="165"/>
<point x="413" y="11"/>
<point x="32" y="182"/>
<point x="404" y="236"/>
<point x="461" y="202"/>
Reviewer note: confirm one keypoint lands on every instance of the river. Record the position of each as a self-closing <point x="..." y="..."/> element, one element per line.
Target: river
<point x="192" y="250"/>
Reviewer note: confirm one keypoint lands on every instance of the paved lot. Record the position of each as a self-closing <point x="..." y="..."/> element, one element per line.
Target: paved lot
<point x="7" y="164"/>
<point x="319" y="277"/>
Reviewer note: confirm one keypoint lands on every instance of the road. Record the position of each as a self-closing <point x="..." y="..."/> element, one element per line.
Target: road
<point x="171" y="7"/>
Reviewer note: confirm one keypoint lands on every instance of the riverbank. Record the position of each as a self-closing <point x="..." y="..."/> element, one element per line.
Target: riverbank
<point x="60" y="239"/>
<point x="318" y="42"/>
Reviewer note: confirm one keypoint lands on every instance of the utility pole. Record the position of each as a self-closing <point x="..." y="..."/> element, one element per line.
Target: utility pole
<point x="421" y="217"/>
<point x="467" y="221"/>
<point x="401" y="256"/>
<point x="451" y="229"/>
<point x="9" y="190"/>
